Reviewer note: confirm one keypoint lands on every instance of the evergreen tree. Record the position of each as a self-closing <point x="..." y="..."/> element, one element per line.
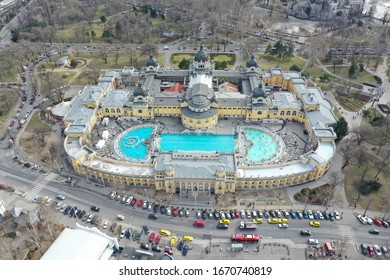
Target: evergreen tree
<point x="268" y="50"/>
<point x="184" y="64"/>
<point x="103" y="19"/>
<point x="341" y="128"/>
<point x="352" y="69"/>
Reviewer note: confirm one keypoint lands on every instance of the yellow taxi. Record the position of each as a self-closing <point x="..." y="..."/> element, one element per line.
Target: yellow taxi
<point x="224" y="222"/>
<point x="315" y="224"/>
<point x="165" y="232"/>
<point x="188" y="238"/>
<point x="258" y="220"/>
<point x="283" y="221"/>
<point x="273" y="221"/>
<point x="173" y="240"/>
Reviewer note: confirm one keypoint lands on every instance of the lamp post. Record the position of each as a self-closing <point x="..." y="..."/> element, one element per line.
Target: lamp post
<point x="146" y="194"/>
<point x="195" y="201"/>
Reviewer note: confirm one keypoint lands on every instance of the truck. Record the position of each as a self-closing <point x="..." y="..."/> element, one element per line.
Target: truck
<point x="248" y="225"/>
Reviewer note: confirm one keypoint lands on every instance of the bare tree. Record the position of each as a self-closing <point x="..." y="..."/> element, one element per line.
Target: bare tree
<point x="381" y="165"/>
<point x="334" y="178"/>
<point x="103" y="54"/>
<point x="40" y="134"/>
<point x="363" y="172"/>
<point x="93" y="73"/>
<point x="360" y="155"/>
<point x="346" y="151"/>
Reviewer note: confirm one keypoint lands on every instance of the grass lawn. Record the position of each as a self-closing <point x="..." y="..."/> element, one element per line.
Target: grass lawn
<point x="34" y="123"/>
<point x="373" y="130"/>
<point x="336" y="112"/>
<point x="377" y="198"/>
<point x="177" y="57"/>
<point x="12" y="101"/>
<point x="315" y="72"/>
<point x="350" y="103"/>
<point x="267" y="62"/>
<point x="359" y="77"/>
<point x="68" y="34"/>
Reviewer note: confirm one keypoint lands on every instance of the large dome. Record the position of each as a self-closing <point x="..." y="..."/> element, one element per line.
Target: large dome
<point x="201" y="55"/>
<point x="139" y="91"/>
<point x="251" y="62"/>
<point x="259" y="92"/>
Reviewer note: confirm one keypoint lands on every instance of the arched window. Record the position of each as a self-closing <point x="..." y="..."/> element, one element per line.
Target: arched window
<point x="294" y="113"/>
<point x="107" y="110"/>
<point x="118" y="110"/>
<point x="140" y="111"/>
<point x="259" y="112"/>
<point x="112" y="110"/>
<point x="288" y="113"/>
<point x="282" y="113"/>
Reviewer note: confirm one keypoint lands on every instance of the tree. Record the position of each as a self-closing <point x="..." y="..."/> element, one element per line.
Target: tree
<point x="367" y="187"/>
<point x="346" y="151"/>
<point x="361" y="67"/>
<point x="103" y="19"/>
<point x="295" y="67"/>
<point x="352" y="69"/>
<point x="73" y="63"/>
<point x="153" y="13"/>
<point x="341" y="128"/>
<point x="15" y="35"/>
<point x="324" y="78"/>
<point x="268" y="50"/>
<point x="184" y="64"/>
<point x="118" y="30"/>
<point x="103" y="54"/>
<point x="40" y="134"/>
<point x="93" y="34"/>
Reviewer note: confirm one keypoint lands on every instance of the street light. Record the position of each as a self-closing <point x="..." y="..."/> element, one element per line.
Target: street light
<point x="146" y="194"/>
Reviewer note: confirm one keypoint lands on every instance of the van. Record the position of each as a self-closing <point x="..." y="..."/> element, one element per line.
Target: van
<point x="224" y="222"/>
<point x="199" y="223"/>
<point x="120" y="217"/>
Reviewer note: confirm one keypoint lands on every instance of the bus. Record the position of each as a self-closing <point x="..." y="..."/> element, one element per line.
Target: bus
<point x="329" y="248"/>
<point x="245" y="238"/>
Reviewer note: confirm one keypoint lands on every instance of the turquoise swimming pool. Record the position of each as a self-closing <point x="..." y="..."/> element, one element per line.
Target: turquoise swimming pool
<point x="264" y="146"/>
<point x="132" y="145"/>
<point x="198" y="142"/>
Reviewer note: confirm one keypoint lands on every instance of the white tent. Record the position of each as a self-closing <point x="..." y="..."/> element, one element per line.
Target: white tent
<point x="105" y="135"/>
<point x="100" y="144"/>
<point x="105" y="121"/>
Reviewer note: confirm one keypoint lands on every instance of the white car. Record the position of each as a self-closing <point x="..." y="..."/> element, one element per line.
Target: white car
<point x="59" y="204"/>
<point x="377" y="250"/>
<point x="222" y="215"/>
<point x="150" y="207"/>
<point x="60" y="197"/>
<point x="312" y="241"/>
<point x="105" y="224"/>
<point x="128" y="200"/>
<point x="282" y="225"/>
<point x="63" y="207"/>
<point x="242" y="214"/>
<point x="320" y="215"/>
<point x="49" y="201"/>
<point x="89" y="219"/>
<point x="145" y="205"/>
<point x="337" y="215"/>
<point x="169" y="212"/>
<point x="122" y="234"/>
<point x="310" y="213"/>
<point x="369" y="220"/>
<point x="362" y="219"/>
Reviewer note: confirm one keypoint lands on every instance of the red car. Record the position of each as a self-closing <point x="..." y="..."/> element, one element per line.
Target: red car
<point x="133" y="202"/>
<point x="139" y="203"/>
<point x="151" y="237"/>
<point x="371" y="251"/>
<point x="158" y="238"/>
<point x="168" y="250"/>
<point x="377" y="222"/>
<point x="21" y="105"/>
<point x="12" y="123"/>
<point x="236" y="214"/>
<point x="174" y="212"/>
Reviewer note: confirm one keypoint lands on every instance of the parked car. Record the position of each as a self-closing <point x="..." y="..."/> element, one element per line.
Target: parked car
<point x="158" y="239"/>
<point x="157" y="248"/>
<point x="146" y="229"/>
<point x="174" y="212"/>
<point x="377" y="222"/>
<point x="371" y="251"/>
<point x="145" y="246"/>
<point x="151" y="237"/>
<point x="282" y="225"/>
<point x="315" y="224"/>
<point x="374" y="231"/>
<point x="133" y="202"/>
<point x="60" y="197"/>
<point x="362" y="219"/>
<point x="364" y="249"/>
<point x="122" y="234"/>
<point x="305" y="232"/>
<point x="168" y="251"/>
<point x="185" y="250"/>
<point x="377" y="250"/>
<point x="222" y="226"/>
<point x="139" y="203"/>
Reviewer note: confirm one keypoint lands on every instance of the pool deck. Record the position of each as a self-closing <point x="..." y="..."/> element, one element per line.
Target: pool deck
<point x="291" y="134"/>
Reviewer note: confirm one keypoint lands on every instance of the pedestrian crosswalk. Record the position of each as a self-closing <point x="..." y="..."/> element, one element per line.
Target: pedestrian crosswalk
<point x="40" y="183"/>
<point x="347" y="234"/>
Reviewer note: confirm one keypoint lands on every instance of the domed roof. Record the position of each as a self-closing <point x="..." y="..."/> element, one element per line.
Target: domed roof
<point x="139" y="91"/>
<point x="201" y="55"/>
<point x="251" y="62"/>
<point x="151" y="61"/>
<point x="259" y="92"/>
<point x="220" y="169"/>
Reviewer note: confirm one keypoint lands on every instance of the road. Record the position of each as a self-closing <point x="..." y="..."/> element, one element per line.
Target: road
<point x="348" y="229"/>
